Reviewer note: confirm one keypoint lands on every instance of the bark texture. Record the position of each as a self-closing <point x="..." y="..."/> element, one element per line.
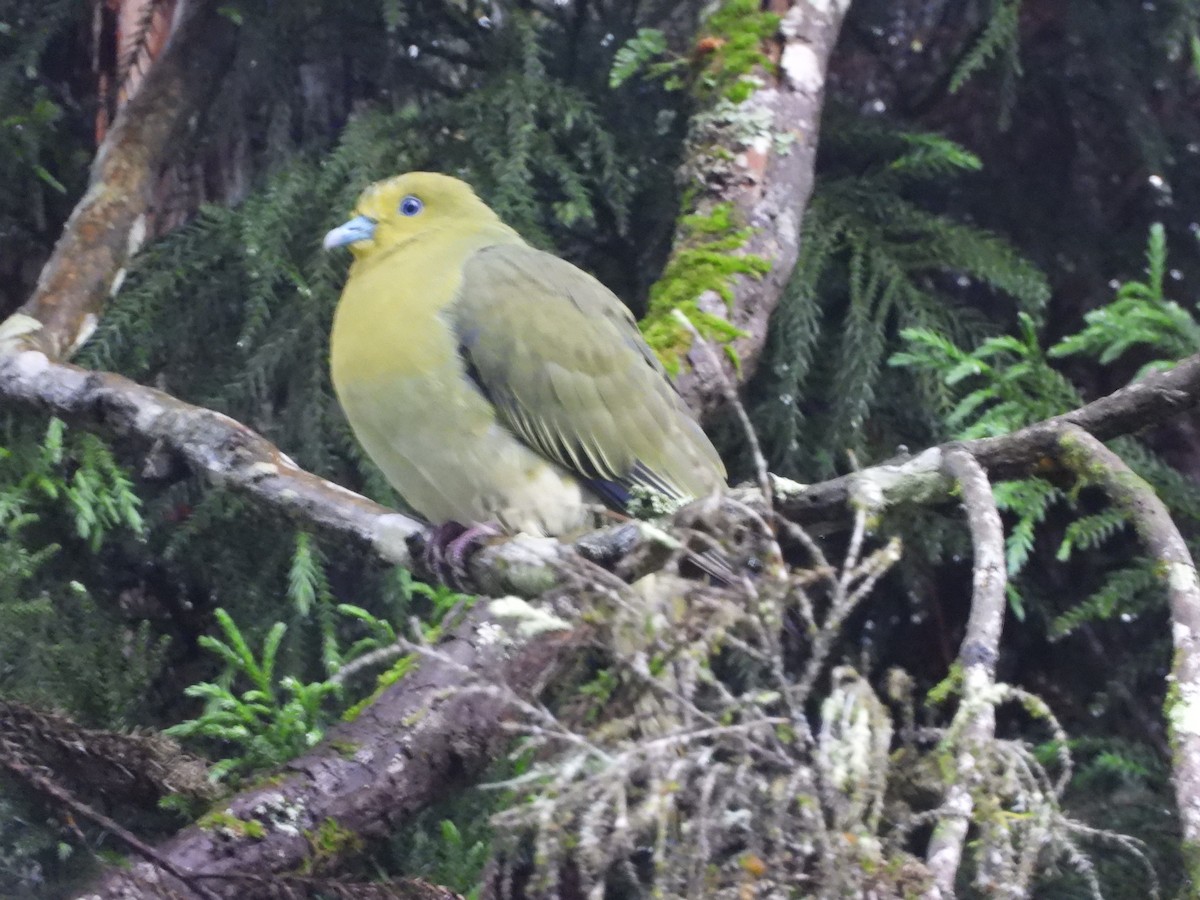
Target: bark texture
<point x="977" y="657"/>
<point x="424" y="737"/>
<point x="769" y="182"/>
<point x="109" y="223"/>
<point x="1087" y="456"/>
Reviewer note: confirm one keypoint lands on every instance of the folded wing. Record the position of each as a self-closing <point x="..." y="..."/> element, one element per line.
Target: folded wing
<point x="563" y="362"/>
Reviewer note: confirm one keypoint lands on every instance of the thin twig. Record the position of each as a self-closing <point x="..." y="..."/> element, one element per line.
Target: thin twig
<point x="761" y="469"/>
<point x="377" y="657"/>
<point x="870" y="570"/>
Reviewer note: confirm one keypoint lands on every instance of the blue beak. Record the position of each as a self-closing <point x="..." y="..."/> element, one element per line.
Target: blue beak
<point x="360" y="228"/>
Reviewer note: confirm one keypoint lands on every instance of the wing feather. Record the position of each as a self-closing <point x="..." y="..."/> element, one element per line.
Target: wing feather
<point x="562" y="360"/>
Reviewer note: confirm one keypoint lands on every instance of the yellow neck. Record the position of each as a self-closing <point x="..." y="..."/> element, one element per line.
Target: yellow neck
<point x="387" y="322"/>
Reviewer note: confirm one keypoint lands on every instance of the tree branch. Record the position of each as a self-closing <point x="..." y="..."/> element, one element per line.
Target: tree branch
<point x="108" y="765"/>
<point x="1150" y="401"/>
<point x="109" y="224"/>
<point x="1085" y="455"/>
<point x="429" y="748"/>
<point x="773" y="155"/>
<point x="420" y="739"/>
<point x="212" y="445"/>
<point x="977" y="658"/>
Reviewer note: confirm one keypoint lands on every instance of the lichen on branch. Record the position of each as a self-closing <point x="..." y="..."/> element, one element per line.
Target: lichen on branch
<point x="748" y="160"/>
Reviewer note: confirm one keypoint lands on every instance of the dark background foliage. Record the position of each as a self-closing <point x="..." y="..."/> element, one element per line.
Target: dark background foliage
<point x="979" y="160"/>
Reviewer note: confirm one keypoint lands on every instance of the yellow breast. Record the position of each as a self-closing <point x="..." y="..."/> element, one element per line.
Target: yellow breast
<point x="405" y="391"/>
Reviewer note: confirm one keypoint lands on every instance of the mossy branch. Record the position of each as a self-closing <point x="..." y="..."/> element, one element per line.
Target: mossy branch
<point x="1086" y="456"/>
<point x="1151" y="400"/>
<point x="748" y="163"/>
<point x="705" y="262"/>
<point x="977" y="663"/>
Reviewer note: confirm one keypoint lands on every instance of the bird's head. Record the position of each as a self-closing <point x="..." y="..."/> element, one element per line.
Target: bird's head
<point x="394" y="211"/>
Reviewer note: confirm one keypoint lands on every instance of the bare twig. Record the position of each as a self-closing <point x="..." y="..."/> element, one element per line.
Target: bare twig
<point x="1084" y="454"/>
<point x="380" y="656"/>
<point x="977" y="657"/>
<point x="730" y="396"/>
<point x="846" y="589"/>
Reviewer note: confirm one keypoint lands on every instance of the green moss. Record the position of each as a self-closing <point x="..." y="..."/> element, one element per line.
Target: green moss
<point x="413" y="718"/>
<point x="720" y="68"/>
<point x="225" y="821"/>
<point x="730" y="48"/>
<point x="402" y="667"/>
<point x="704" y="261"/>
<point x="599" y="691"/>
<point x="733" y="37"/>
<point x="947" y="687"/>
<point x="331" y="840"/>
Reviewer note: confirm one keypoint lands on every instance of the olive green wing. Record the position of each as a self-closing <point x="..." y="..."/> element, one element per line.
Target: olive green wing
<point x="563" y="362"/>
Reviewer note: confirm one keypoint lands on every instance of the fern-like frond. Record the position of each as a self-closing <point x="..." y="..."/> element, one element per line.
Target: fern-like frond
<point x="1089" y="532"/>
<point x="998" y="40"/>
<point x="1125" y="590"/>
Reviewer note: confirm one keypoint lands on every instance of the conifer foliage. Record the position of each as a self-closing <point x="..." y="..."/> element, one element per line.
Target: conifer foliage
<point x="798" y="741"/>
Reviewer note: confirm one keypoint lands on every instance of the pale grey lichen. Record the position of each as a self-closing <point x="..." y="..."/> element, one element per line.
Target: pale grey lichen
<point x="15" y="328"/>
<point x="1182" y="577"/>
<point x="391" y="534"/>
<point x="1184" y="710"/>
<point x="277" y="812"/>
<point x="801" y="67"/>
<point x="489" y="634"/>
<point x="717" y="136"/>
<point x="785" y="488"/>
<point x="916" y="480"/>
<point x="529" y="620"/>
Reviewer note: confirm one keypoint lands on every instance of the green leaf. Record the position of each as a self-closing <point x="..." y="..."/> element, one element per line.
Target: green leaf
<point x="44" y="174"/>
<point x="635" y="53"/>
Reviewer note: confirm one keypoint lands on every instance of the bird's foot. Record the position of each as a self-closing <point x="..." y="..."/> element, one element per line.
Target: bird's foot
<point x="449" y="548"/>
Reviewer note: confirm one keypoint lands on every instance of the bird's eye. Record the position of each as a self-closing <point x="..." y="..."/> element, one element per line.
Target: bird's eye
<point x="411" y="205"/>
